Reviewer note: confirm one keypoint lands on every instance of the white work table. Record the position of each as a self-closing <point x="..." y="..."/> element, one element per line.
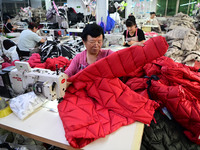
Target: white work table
<point x="46" y="126"/>
<point x="75" y="30"/>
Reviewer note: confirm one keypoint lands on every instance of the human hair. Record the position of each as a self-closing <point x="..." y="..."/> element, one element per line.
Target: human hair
<point x="93" y="30"/>
<point x="7" y="18"/>
<point x="151" y="13"/>
<point x="31" y="25"/>
<point x="130" y="23"/>
<point x="132" y="18"/>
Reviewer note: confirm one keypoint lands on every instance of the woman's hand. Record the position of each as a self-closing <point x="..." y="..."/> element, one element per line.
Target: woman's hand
<point x="68" y="83"/>
<point x="131" y="42"/>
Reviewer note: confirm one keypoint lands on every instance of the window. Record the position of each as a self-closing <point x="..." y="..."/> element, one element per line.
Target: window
<point x="60" y="2"/>
<point x="171" y="8"/>
<point x="160" y="7"/>
<point x="12" y="7"/>
<point x="183" y="6"/>
<point x="191" y="6"/>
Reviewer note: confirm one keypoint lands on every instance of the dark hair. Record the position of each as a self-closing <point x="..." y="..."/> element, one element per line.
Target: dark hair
<point x="132" y="18"/>
<point x="7" y="18"/>
<point x="130" y="23"/>
<point x="151" y="13"/>
<point x="93" y="30"/>
<point x="31" y="25"/>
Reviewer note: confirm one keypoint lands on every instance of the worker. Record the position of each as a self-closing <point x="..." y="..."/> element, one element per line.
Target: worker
<point x="92" y="37"/>
<point x="153" y="21"/>
<point x="28" y="39"/>
<point x="133" y="35"/>
<point x="8" y="27"/>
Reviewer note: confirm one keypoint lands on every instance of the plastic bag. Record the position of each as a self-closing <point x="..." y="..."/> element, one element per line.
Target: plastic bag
<point x="102" y="24"/>
<point x="25" y="104"/>
<point x="110" y="23"/>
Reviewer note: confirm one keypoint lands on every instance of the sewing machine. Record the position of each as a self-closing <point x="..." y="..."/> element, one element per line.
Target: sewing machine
<point x="50" y="84"/>
<point x="51" y="34"/>
<point x="21" y="25"/>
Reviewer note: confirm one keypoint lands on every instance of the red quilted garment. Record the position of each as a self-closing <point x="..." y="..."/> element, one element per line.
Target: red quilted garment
<point x="178" y="90"/>
<point x="51" y="63"/>
<point x="98" y="103"/>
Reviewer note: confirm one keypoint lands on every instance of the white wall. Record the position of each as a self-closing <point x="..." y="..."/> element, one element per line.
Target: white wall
<point x="101" y="11"/>
<point x="140" y="8"/>
<point x="36" y="3"/>
<point x="48" y="4"/>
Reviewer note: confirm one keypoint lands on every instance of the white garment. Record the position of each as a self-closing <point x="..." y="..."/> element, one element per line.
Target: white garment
<point x="115" y="16"/>
<point x="28" y="39"/>
<point x="25" y="104"/>
<point x="153" y="21"/>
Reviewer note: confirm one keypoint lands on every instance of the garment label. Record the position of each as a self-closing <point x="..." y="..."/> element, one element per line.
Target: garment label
<point x="1" y="81"/>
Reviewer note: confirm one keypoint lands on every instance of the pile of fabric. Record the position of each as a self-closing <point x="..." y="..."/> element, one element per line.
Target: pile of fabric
<point x="183" y="40"/>
<point x="176" y="89"/>
<point x="30" y="14"/>
<point x="50" y="63"/>
<point x="68" y="49"/>
<point x="181" y="19"/>
<point x="58" y="15"/>
<point x="196" y="15"/>
<point x="39" y="13"/>
<point x="184" y="45"/>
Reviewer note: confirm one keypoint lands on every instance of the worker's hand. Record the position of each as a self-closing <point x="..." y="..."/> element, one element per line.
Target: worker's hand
<point x="68" y="83"/>
<point x="14" y="28"/>
<point x="137" y="44"/>
<point x="131" y="42"/>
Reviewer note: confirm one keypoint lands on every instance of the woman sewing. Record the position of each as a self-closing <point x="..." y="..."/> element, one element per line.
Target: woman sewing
<point x="133" y="34"/>
<point x="8" y="27"/>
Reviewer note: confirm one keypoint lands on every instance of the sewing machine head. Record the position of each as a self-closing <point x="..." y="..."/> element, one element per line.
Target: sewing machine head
<point x="50" y="84"/>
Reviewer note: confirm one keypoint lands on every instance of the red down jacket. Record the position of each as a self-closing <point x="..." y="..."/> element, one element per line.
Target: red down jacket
<point x="50" y="63"/>
<point x="177" y="89"/>
<point x="98" y="103"/>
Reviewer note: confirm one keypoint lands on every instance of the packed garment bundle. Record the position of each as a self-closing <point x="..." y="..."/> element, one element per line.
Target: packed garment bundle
<point x="181" y="19"/>
<point x="184" y="45"/>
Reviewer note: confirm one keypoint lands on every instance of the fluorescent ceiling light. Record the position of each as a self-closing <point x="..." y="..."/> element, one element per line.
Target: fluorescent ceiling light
<point x="188" y="3"/>
<point x="158" y="5"/>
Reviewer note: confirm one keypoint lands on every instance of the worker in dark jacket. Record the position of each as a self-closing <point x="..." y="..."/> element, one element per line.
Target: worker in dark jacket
<point x="8" y="27"/>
